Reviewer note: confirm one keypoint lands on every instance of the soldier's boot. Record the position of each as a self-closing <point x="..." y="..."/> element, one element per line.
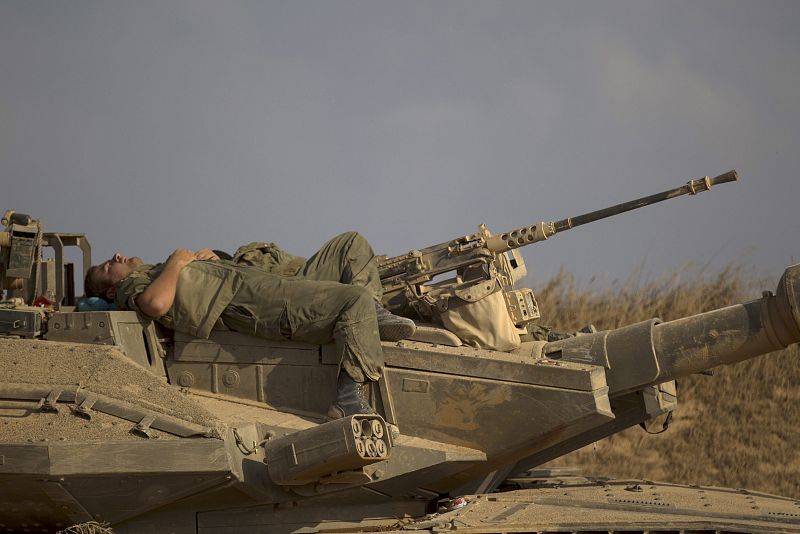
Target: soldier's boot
<point x="392" y="327"/>
<point x="351" y="399"/>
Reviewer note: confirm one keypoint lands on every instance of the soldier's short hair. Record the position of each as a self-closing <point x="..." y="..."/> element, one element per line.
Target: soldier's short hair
<point x="93" y="286"/>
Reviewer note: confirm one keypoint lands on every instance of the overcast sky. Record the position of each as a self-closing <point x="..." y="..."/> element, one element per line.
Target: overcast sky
<point x="151" y="125"/>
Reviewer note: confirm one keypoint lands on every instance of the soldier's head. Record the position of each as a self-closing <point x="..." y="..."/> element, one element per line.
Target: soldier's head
<point x="101" y="279"/>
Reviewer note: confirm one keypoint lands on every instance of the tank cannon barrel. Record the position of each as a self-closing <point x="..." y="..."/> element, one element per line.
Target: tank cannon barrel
<point x="653" y="352"/>
<point x="731" y="334"/>
<point x="527" y="235"/>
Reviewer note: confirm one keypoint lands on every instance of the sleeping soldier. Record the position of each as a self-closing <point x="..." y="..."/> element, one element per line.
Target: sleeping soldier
<point x="263" y="291"/>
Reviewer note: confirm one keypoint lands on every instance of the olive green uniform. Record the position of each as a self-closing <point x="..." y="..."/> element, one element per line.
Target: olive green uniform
<point x="271" y="294"/>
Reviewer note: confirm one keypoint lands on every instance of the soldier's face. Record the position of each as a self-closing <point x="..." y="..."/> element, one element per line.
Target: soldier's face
<point x="116" y="268"/>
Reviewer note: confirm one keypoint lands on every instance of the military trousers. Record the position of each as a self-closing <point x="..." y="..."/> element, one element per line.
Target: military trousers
<point x="332" y="298"/>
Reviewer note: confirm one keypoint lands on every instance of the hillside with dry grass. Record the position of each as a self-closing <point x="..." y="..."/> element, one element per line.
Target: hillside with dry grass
<point x="737" y="428"/>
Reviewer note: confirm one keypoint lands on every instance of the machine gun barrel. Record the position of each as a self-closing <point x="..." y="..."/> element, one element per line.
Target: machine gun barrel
<point x="691" y="188"/>
<point x="531" y="234"/>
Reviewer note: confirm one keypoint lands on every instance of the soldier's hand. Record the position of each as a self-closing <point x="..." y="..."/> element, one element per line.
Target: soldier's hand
<point x="205" y="254"/>
<point x="181" y="257"/>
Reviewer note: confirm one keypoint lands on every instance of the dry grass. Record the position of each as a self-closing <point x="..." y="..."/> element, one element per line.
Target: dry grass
<point x="737" y="428"/>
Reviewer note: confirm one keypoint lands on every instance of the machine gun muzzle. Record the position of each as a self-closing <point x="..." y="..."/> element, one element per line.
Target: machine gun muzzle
<point x="653" y="352"/>
<point x="539" y="232"/>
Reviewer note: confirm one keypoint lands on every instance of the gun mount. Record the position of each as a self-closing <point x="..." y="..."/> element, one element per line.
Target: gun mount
<point x="107" y="417"/>
<point x="485" y="264"/>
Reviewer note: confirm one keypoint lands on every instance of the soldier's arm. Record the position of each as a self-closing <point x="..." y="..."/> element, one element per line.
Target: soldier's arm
<point x="158" y="297"/>
<point x="205" y="254"/>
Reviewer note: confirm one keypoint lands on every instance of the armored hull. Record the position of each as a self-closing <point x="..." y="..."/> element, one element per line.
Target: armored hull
<point x="105" y="418"/>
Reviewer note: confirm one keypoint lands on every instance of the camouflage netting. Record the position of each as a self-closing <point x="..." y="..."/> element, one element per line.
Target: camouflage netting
<point x="102" y="370"/>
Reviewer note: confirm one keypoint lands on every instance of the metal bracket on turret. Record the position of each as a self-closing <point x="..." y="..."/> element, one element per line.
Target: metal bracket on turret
<point x="48" y="395"/>
<point x="84" y="409"/>
<point x="49" y="404"/>
<point x="143" y="429"/>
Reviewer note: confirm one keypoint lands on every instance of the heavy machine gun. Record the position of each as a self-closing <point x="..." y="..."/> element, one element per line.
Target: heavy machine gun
<point x="484" y="264"/>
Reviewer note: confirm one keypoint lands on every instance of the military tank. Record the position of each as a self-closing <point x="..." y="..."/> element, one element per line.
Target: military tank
<point x="106" y="418"/>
